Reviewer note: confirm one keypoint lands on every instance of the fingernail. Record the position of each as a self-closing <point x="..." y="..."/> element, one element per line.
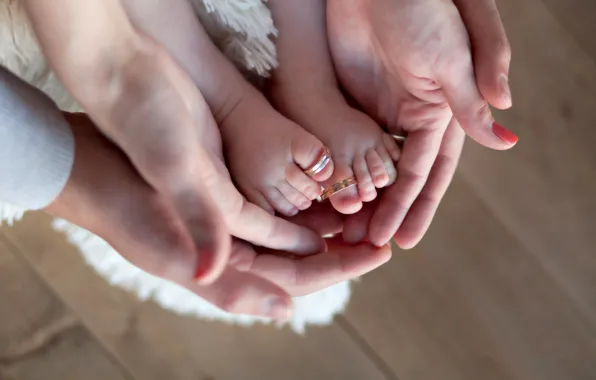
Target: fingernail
<point x="203" y="264"/>
<point x="505" y="134"/>
<point x="276" y="308"/>
<point x="505" y="89"/>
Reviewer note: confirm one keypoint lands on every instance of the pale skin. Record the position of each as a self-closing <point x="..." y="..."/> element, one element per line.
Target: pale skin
<point x="265" y="152"/>
<point x="408" y="64"/>
<point x="421" y="67"/>
<point x="304" y="88"/>
<point x="143" y="226"/>
<point x="410" y="209"/>
<point x="148" y="105"/>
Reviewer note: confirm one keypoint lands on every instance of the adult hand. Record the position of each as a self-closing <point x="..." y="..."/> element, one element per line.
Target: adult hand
<point x="107" y="196"/>
<point x="409" y="64"/>
<point x="144" y="102"/>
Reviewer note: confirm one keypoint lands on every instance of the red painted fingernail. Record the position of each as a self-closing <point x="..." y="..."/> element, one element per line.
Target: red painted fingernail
<point x="202" y="264"/>
<point x="505" y="134"/>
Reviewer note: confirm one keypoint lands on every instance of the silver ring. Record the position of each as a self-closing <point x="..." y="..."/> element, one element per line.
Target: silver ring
<point x="320" y="165"/>
<point x="398" y="138"/>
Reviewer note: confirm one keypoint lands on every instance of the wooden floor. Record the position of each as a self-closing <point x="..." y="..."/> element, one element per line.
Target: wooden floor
<point x="503" y="287"/>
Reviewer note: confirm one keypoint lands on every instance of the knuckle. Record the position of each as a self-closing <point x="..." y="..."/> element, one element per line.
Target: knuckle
<point x="484" y="113"/>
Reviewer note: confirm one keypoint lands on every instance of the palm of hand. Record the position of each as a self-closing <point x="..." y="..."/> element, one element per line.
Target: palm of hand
<point x="392" y="55"/>
<point x="394" y="59"/>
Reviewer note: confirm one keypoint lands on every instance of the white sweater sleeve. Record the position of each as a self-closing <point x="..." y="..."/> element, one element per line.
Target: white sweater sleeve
<point x="36" y="145"/>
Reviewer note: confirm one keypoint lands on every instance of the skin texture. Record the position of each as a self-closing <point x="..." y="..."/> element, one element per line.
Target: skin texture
<point x="428" y="69"/>
<point x="138" y="96"/>
<point x="146" y="229"/>
<point x="265" y="152"/>
<point x="304" y="88"/>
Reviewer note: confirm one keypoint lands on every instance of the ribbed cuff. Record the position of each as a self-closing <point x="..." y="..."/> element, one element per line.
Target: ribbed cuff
<point x="36" y="145"/>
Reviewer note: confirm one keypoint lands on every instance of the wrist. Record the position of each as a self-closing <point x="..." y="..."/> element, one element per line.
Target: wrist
<point x="124" y="84"/>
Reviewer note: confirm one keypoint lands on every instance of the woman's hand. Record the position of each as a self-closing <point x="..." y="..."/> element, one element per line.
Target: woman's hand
<point x="107" y="196"/>
<point x="145" y="103"/>
<point x="410" y="65"/>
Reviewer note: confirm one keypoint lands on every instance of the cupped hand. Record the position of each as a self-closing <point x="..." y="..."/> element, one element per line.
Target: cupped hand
<point x="140" y="98"/>
<point x="409" y="64"/>
<point x="146" y="229"/>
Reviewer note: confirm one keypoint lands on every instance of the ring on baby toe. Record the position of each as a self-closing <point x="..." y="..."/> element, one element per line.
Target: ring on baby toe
<point x="320" y="165"/>
<point x="337" y="187"/>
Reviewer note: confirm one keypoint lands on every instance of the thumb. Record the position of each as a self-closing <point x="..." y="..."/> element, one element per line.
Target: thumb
<point x="469" y="107"/>
<point x="491" y="49"/>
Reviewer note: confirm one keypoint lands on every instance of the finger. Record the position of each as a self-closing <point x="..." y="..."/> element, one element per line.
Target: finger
<point x="255" y="225"/>
<point x="307" y="275"/>
<point x="320" y="217"/>
<point x="249" y="222"/>
<point x="137" y="222"/>
<point x="419" y="154"/>
<point x="424" y="208"/>
<point x="180" y="176"/>
<point x="457" y="79"/>
<point x="241" y="292"/>
<point x="356" y="225"/>
<point x="202" y="220"/>
<point x="491" y="49"/>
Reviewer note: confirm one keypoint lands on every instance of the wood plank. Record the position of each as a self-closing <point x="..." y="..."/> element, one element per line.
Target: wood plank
<point x="503" y="285"/>
<point x="73" y="355"/>
<point x="578" y="18"/>
<point x="543" y="190"/>
<point x="156" y="344"/>
<point x="39" y="337"/>
<point x="471" y="303"/>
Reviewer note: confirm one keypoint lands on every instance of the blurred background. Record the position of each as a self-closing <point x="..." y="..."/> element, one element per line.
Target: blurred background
<point x="502" y="287"/>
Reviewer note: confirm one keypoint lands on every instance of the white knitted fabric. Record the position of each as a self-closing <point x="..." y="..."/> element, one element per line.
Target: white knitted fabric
<point x="244" y="31"/>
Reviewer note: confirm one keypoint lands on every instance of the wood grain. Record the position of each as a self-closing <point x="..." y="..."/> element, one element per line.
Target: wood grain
<point x="470" y="302"/>
<point x="543" y="190"/>
<point x="39" y="337"/>
<point x="503" y="285"/>
<point x="577" y="17"/>
<point x="153" y="343"/>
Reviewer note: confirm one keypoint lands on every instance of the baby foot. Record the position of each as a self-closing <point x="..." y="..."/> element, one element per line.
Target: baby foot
<point x="359" y="147"/>
<point x="304" y="88"/>
<point x="265" y="152"/>
<point x="267" y="155"/>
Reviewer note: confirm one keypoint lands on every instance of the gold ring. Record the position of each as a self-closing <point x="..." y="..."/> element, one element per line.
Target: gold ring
<point x="337" y="187"/>
<point x="320" y="164"/>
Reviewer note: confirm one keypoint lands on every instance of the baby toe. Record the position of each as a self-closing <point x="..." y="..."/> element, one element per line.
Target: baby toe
<point x="366" y="188"/>
<point x="310" y="154"/>
<point x="294" y="196"/>
<point x="377" y="168"/>
<point x="345" y="201"/>
<point x="280" y="203"/>
<point x="392" y="148"/>
<point x="389" y="164"/>
<point x="310" y="188"/>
